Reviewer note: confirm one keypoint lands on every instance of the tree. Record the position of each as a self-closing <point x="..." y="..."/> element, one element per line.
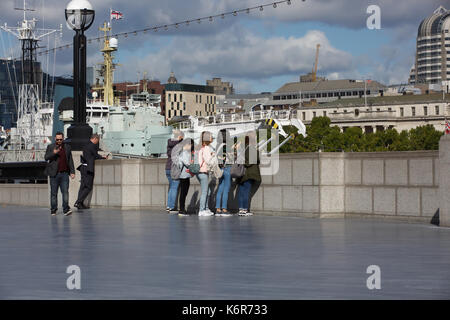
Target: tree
<point x="424" y="138"/>
<point x="321" y="136"/>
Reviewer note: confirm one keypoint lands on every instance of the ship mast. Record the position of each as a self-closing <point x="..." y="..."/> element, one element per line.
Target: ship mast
<point x="108" y="66"/>
<point x="28" y="95"/>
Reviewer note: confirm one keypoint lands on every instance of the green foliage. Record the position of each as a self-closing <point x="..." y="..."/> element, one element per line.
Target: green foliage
<point x="323" y="137"/>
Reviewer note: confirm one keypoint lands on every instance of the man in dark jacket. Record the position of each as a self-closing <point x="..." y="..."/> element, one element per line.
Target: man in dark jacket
<point x="59" y="166"/>
<point x="87" y="169"/>
<point x="173" y="184"/>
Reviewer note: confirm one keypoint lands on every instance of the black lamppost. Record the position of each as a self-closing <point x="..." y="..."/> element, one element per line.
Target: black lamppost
<point x="79" y="17"/>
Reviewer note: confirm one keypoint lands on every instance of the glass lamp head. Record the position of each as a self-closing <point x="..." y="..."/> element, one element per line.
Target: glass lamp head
<point x="79" y="15"/>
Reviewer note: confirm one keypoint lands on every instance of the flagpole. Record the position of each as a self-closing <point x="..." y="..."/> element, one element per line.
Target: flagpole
<point x="110" y="20"/>
<point x="365" y="93"/>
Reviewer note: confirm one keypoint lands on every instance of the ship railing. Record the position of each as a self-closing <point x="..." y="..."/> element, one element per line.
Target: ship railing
<point x="21" y="155"/>
<point x="250" y="116"/>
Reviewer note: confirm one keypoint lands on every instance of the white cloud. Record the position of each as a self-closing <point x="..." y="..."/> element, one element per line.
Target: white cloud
<point x="239" y="54"/>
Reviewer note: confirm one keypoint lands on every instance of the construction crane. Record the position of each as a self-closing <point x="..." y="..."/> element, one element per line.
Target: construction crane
<point x="314" y="71"/>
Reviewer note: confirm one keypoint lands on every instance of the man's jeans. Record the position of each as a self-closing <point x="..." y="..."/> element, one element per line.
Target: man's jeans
<point x="61" y="180"/>
<point x="173" y="190"/>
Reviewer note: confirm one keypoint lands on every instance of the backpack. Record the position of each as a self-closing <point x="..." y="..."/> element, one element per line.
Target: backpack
<point x="213" y="167"/>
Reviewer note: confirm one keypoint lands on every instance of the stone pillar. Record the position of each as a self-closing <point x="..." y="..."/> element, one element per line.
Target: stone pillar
<point x="444" y="181"/>
<point x="332" y="185"/>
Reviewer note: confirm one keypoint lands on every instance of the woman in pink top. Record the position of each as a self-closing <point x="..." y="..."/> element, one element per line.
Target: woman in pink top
<point x="204" y="156"/>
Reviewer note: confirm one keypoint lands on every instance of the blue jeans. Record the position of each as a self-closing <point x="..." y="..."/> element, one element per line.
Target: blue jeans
<point x="244" y="194"/>
<point x="173" y="190"/>
<point x="203" y="179"/>
<point x="61" y="181"/>
<point x="224" y="189"/>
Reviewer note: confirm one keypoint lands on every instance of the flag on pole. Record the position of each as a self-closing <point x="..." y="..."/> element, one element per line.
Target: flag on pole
<point x="447" y="127"/>
<point x="117" y="15"/>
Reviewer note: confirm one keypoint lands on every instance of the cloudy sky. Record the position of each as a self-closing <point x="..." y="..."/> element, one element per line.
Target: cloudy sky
<point x="258" y="52"/>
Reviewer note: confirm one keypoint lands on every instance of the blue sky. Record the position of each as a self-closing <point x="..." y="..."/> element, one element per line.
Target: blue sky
<point x="257" y="52"/>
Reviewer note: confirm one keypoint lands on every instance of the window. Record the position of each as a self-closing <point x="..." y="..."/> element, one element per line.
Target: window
<point x="314" y="114"/>
<point x="181" y="97"/>
<point x="437" y="110"/>
<point x="304" y="115"/>
<point x="169" y="114"/>
<point x="402" y="112"/>
<point x="175" y="97"/>
<point x="324" y="113"/>
<point x="425" y="111"/>
<point x="413" y="111"/>
<point x="200" y="98"/>
<point x="184" y="105"/>
<point x="196" y="98"/>
<point x="169" y="97"/>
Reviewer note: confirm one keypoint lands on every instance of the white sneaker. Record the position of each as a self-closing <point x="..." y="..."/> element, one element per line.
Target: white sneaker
<point x="205" y="213"/>
<point x="245" y="213"/>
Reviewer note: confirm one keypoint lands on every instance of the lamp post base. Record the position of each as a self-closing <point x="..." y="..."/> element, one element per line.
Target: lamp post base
<point x="78" y="135"/>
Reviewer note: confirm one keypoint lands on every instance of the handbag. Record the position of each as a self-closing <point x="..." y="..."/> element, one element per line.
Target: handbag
<point x="237" y="170"/>
<point x="194" y="168"/>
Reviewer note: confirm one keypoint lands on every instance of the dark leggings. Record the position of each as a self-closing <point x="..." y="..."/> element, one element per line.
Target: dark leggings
<point x="184" y="188"/>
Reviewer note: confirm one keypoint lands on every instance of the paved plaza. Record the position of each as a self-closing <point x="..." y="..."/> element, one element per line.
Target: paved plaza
<point x="153" y="255"/>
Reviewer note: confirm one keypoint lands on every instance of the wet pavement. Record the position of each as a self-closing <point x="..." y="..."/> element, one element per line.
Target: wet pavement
<point x="153" y="255"/>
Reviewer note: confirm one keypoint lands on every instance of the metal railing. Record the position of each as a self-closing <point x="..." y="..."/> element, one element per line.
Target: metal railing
<point x="21" y="155"/>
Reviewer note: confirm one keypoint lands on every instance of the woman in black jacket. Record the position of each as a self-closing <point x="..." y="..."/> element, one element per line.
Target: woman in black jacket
<point x="252" y="175"/>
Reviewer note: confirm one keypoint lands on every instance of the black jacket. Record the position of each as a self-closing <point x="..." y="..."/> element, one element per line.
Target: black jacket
<point x="90" y="154"/>
<point x="52" y="159"/>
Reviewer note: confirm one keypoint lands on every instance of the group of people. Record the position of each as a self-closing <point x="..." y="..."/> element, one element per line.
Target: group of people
<point x="185" y="161"/>
<point x="190" y="160"/>
<point x="60" y="167"/>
